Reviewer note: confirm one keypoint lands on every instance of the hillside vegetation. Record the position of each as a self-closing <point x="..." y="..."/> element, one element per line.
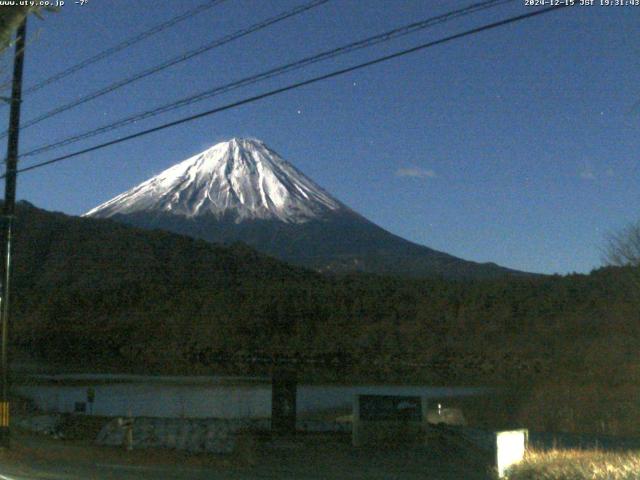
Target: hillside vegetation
<point x="577" y="465"/>
<point x="108" y="296"/>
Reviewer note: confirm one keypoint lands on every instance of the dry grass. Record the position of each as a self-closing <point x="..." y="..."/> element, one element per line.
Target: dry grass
<point x="577" y="465"/>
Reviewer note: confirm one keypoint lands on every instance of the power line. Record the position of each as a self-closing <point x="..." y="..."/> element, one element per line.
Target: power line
<point x="295" y="86"/>
<point x="174" y="61"/>
<point x="121" y="46"/>
<point x="351" y="47"/>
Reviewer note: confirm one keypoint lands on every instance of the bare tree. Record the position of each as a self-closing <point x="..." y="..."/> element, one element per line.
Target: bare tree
<point x="10" y="19"/>
<point x="623" y="248"/>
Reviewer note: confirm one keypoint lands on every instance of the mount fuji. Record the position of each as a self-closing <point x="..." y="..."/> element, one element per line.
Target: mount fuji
<point x="241" y="190"/>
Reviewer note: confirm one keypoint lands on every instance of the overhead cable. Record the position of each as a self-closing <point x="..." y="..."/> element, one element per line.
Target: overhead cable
<point x="174" y="61"/>
<point x="289" y="67"/>
<point x="296" y="85"/>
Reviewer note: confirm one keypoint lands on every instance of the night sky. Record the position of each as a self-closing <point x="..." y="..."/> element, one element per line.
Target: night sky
<point x="518" y="145"/>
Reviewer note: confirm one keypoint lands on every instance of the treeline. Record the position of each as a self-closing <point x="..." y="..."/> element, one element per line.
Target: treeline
<point x="108" y="296"/>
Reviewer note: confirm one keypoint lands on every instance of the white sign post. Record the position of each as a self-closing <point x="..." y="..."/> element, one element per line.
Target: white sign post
<point x="510" y="448"/>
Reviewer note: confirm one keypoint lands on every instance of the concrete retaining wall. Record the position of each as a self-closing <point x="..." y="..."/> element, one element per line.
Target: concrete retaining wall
<point x="213" y="435"/>
<point x="48" y="424"/>
<point x="193" y="435"/>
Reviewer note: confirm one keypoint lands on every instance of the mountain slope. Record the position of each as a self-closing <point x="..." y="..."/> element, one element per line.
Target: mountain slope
<point x="96" y="289"/>
<point x="95" y="295"/>
<point x="242" y="179"/>
<point x="241" y="190"/>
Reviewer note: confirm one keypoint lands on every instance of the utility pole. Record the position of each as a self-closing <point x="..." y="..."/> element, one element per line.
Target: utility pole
<point x="8" y="215"/>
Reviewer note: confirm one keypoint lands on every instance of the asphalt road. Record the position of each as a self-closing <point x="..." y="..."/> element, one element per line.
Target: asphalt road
<point x="40" y="458"/>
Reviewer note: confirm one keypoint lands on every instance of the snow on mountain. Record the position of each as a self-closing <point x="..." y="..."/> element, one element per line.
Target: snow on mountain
<point x="215" y="195"/>
<point x="241" y="177"/>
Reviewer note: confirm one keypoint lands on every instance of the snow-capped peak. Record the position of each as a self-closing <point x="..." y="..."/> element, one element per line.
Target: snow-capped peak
<point x="241" y="177"/>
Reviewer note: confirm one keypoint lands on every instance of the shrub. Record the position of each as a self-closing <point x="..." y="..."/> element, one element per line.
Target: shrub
<point x="577" y="465"/>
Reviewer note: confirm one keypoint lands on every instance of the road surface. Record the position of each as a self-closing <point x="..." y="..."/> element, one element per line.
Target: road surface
<point x="41" y="458"/>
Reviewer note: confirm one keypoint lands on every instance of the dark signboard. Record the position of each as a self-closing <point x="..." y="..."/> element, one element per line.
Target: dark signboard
<point x="390" y="408"/>
<point x="283" y="402"/>
<point x="91" y="394"/>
